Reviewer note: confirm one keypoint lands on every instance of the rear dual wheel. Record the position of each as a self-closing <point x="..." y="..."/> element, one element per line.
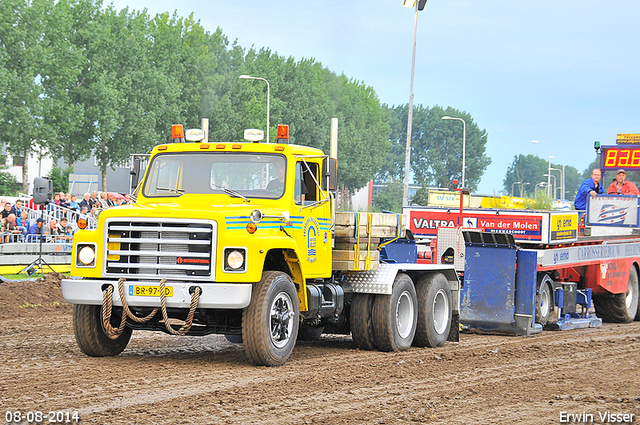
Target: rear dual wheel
<point x="435" y="311"/>
<point x="361" y="321"/>
<point x="395" y="316"/>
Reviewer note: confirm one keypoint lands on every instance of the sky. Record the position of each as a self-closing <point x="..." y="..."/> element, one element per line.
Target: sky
<point x="565" y="73"/>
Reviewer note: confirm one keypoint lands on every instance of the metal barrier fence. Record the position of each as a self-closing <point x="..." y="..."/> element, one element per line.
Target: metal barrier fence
<point x="56" y="212"/>
<point x="51" y="212"/>
<point x="6" y="237"/>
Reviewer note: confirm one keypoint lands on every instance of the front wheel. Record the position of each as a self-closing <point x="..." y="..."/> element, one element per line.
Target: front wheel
<point x="91" y="336"/>
<point x="434" y="311"/>
<point x="270" y="322"/>
<point x="395" y="316"/>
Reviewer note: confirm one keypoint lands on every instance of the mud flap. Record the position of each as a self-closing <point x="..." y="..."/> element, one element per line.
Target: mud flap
<point x="454" y="332"/>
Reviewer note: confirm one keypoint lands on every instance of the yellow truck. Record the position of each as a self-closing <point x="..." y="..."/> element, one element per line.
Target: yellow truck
<point x="242" y="239"/>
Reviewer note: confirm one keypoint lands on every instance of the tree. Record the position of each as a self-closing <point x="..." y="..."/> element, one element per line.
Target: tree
<point x="9" y="186"/>
<point x="60" y="178"/>
<point x="526" y="176"/>
<point x="389" y="198"/>
<point x="68" y="26"/>
<point x="526" y="173"/>
<point x="363" y="133"/>
<point x="22" y="52"/>
<point x="436" y="147"/>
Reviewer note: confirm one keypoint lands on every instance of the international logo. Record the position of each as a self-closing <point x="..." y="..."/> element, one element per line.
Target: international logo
<point x="181" y="260"/>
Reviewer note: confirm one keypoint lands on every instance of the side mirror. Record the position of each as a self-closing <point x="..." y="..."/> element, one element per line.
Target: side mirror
<point x="42" y="190"/>
<point x="329" y="174"/>
<point x="135" y="173"/>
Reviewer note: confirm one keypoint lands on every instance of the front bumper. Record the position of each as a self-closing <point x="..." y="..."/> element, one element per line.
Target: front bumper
<point x="213" y="295"/>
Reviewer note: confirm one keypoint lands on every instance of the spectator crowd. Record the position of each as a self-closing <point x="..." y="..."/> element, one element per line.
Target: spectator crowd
<point x="56" y="221"/>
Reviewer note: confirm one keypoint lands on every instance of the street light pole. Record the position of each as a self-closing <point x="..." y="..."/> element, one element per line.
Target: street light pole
<point x="464" y="144"/>
<point x="559" y="170"/>
<point x="549" y="168"/>
<point x="407" y="153"/>
<point x="562" y="183"/>
<point x="249" y="77"/>
<point x="512" y="184"/>
<point x="554" y="184"/>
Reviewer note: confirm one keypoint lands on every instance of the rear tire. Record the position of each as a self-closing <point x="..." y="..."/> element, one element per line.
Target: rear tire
<point x="270" y="322"/>
<point x="544" y="299"/>
<point x="90" y="335"/>
<point x="361" y="321"/>
<point x="434" y="311"/>
<point x="620" y="308"/>
<point x="395" y="316"/>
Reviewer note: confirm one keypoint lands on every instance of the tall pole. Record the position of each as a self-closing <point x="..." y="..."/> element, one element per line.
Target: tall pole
<point x="407" y="153"/>
<point x="464" y="145"/>
<point x="513" y="184"/>
<point x="562" y="183"/>
<point x="249" y="77"/>
<point x="548" y="168"/>
<point x="554" y="183"/>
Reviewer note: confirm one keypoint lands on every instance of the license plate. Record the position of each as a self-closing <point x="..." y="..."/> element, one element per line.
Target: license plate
<point x="150" y="291"/>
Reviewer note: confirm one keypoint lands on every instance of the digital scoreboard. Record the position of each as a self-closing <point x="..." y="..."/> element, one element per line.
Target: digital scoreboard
<point x="620" y="156"/>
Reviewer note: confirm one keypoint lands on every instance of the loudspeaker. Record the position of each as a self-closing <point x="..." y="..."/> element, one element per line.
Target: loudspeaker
<point x="42" y="190"/>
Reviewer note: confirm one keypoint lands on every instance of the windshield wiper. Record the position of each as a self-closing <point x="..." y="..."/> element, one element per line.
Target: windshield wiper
<point x="232" y="193"/>
<point x="170" y="189"/>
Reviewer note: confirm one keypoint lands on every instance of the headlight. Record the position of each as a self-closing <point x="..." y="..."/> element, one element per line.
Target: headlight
<point x="87" y="255"/>
<point x="235" y="259"/>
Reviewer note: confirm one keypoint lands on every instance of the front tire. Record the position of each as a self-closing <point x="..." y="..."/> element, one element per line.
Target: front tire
<point x="395" y="316"/>
<point x="434" y="311"/>
<point x="270" y="322"/>
<point x="620" y="308"/>
<point x="90" y="335"/>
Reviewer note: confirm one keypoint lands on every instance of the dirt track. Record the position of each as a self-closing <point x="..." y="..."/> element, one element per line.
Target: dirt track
<point x="483" y="379"/>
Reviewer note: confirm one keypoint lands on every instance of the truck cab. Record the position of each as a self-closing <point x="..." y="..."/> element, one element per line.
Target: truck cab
<point x="211" y="218"/>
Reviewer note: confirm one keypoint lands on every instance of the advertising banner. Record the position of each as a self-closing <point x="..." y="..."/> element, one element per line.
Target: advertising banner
<point x="530" y="227"/>
<point x="612" y="211"/>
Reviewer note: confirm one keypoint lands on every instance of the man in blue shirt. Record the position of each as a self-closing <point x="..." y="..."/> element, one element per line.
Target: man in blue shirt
<point x="35" y="231"/>
<point x="588" y="187"/>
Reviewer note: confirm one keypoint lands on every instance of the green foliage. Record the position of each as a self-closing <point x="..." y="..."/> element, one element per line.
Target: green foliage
<point x="389" y="198"/>
<point x="542" y="201"/>
<point x="436" y="147"/>
<point x="60" y="178"/>
<point x="9" y="186"/>
<point x="527" y="174"/>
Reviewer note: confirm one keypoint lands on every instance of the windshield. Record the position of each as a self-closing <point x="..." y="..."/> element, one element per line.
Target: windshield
<point x="235" y="174"/>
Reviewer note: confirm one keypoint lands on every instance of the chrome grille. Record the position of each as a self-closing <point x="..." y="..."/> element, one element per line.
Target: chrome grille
<point x="146" y="248"/>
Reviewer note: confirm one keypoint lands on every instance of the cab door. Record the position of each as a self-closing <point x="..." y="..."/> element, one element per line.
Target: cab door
<point x="315" y="213"/>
